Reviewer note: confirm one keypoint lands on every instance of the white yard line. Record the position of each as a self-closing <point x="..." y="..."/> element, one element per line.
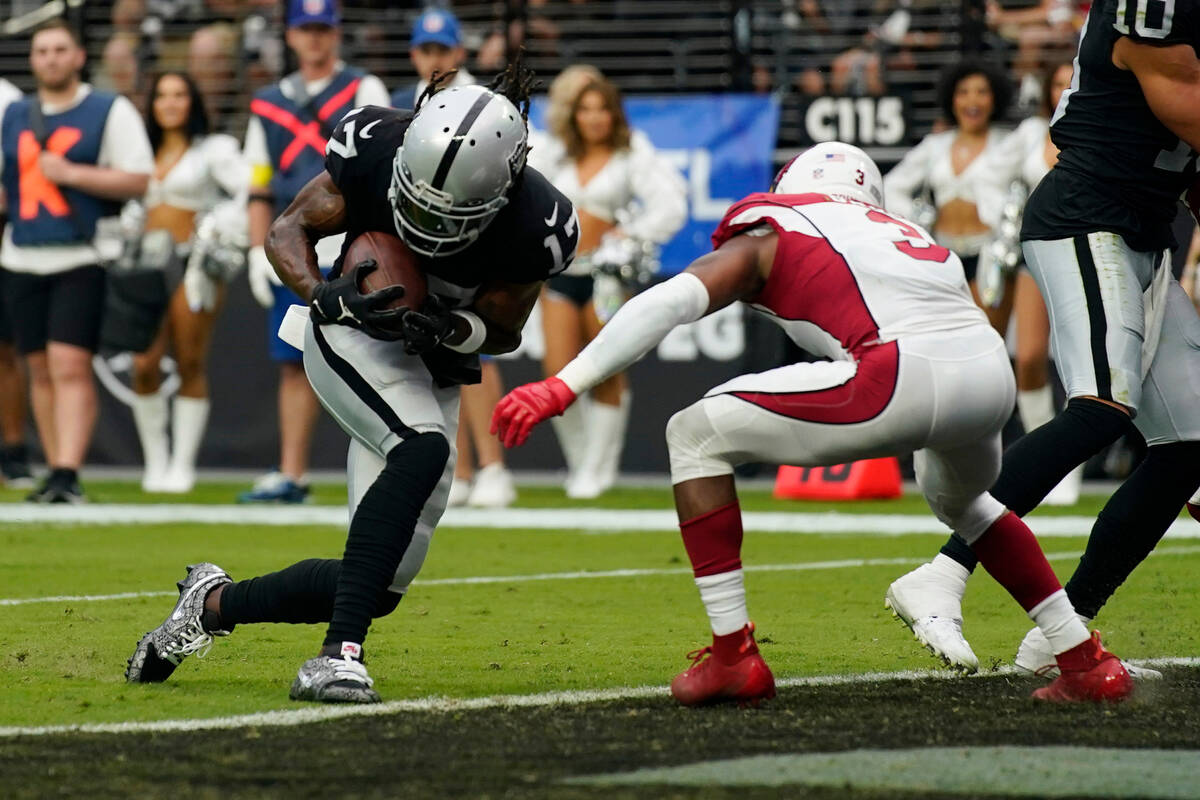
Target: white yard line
<point x="315" y="713"/>
<point x="590" y="520"/>
<point x="475" y="580"/>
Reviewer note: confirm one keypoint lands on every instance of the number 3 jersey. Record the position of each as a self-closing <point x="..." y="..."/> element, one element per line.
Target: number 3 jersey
<point x="1119" y="169"/>
<point x="531" y="239"/>
<point x="848" y="276"/>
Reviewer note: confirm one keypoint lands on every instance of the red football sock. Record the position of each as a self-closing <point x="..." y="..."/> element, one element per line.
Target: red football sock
<point x="1011" y="555"/>
<point x="714" y="540"/>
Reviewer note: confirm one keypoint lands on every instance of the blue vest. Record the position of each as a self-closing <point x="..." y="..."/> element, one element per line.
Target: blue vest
<point x="39" y="212"/>
<point x="295" y="139"/>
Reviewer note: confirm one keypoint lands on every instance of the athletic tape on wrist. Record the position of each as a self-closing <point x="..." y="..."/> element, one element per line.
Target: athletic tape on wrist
<point x="475" y="338"/>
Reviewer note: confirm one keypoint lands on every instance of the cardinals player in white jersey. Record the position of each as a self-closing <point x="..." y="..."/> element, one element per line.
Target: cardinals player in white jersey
<point x="914" y="366"/>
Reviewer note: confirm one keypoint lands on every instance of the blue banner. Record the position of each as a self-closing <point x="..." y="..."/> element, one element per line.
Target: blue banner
<point x="723" y="145"/>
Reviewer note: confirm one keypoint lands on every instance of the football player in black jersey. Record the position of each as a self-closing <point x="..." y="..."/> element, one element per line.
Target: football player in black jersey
<point x="450" y="179"/>
<point x="1097" y="236"/>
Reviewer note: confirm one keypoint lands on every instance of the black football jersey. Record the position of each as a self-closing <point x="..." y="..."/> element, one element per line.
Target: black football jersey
<point x="531" y="239"/>
<point x="1119" y="169"/>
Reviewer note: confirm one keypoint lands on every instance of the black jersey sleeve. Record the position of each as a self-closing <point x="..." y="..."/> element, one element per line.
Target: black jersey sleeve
<point x="363" y="144"/>
<point x="1158" y="22"/>
<point x="545" y="231"/>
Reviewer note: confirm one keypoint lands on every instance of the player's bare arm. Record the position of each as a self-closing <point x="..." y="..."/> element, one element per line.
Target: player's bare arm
<point x="503" y="307"/>
<point x="1170" y="80"/>
<point x="737" y="269"/>
<point x="318" y="211"/>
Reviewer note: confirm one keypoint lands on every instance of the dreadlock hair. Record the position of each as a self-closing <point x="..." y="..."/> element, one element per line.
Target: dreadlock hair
<point x="516" y="83"/>
<point x="439" y="81"/>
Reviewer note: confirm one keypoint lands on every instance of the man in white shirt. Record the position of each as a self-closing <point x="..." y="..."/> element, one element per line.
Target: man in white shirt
<point x="69" y="156"/>
<point x="285" y="147"/>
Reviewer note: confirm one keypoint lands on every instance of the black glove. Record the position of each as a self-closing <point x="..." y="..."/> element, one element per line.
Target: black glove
<point x="339" y="302"/>
<point x="425" y="329"/>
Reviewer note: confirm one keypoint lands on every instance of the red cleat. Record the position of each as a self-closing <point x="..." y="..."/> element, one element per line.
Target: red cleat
<point x="733" y="672"/>
<point x="1089" y="674"/>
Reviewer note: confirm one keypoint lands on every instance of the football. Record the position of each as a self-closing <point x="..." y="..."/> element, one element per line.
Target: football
<point x="398" y="266"/>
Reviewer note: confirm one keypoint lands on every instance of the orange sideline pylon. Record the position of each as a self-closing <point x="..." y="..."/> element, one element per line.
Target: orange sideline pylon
<point x="874" y="478"/>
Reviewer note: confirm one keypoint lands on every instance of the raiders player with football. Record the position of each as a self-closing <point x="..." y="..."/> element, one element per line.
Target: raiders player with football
<point x="450" y="178"/>
<point x="1097" y="238"/>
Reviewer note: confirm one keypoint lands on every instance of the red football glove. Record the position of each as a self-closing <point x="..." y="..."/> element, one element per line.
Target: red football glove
<point x="525" y="406"/>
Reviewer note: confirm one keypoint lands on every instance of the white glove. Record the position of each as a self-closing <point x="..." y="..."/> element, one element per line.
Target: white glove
<point x="199" y="287"/>
<point x="262" y="276"/>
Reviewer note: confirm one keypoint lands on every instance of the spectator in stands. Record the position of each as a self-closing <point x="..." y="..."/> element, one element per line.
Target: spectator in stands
<point x="435" y="47"/>
<point x="91" y="153"/>
<point x="195" y="206"/>
<point x="14" y="457"/>
<point x="283" y="157"/>
<point x="897" y="30"/>
<point x="622" y="190"/>
<point x="212" y="63"/>
<point x="1044" y="34"/>
<point x="118" y="65"/>
<point x="954" y="167"/>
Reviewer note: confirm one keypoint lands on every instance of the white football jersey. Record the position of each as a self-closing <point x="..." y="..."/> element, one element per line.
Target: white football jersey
<point x="848" y="275"/>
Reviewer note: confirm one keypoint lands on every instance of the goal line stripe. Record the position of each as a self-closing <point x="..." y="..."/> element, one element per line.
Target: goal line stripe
<point x="317" y="713"/>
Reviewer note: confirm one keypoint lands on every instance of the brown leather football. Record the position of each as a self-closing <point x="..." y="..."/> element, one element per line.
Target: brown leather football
<point x="398" y="266"/>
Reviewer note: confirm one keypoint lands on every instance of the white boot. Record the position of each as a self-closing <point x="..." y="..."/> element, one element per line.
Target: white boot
<point x="187" y="431"/>
<point x="493" y="488"/>
<point x="929" y="601"/>
<point x="150" y="417"/>
<point x="1035" y="407"/>
<point x="606" y="438"/>
<point x="613" y="444"/>
<point x="571" y="429"/>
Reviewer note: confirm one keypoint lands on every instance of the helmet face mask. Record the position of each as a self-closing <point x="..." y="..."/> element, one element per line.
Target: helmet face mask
<point x="429" y="221"/>
<point x="462" y="153"/>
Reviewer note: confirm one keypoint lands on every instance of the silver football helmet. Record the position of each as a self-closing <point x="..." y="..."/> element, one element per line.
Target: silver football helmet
<point x="461" y="154"/>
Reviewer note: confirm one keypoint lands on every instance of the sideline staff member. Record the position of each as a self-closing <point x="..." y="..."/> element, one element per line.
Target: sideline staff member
<point x="70" y="156"/>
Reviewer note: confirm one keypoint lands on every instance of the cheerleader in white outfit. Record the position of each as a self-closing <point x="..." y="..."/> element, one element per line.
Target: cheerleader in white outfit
<point x="956" y="166"/>
<point x="625" y="193"/>
<point x="192" y="204"/>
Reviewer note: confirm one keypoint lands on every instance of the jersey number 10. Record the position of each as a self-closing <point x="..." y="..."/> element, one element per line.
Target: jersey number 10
<point x="1142" y="18"/>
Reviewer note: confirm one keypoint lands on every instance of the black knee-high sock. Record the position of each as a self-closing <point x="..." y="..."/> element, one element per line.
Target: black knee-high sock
<point x="381" y="531"/>
<point x="300" y="593"/>
<point x="1133" y="521"/>
<point x="1036" y="462"/>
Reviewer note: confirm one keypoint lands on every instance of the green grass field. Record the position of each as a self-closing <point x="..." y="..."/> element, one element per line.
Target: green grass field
<point x="61" y="662"/>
